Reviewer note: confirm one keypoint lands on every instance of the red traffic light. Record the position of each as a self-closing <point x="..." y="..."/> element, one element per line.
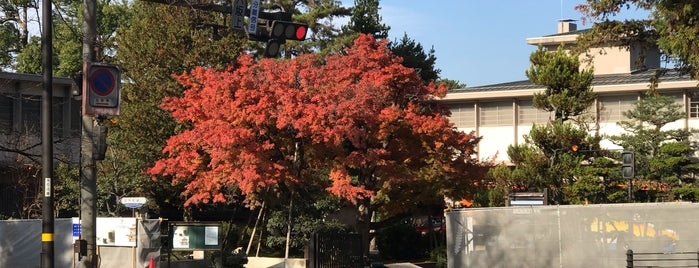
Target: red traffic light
<point x="288" y="30"/>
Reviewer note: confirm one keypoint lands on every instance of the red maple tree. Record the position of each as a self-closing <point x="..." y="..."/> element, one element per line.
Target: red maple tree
<point x="361" y="118"/>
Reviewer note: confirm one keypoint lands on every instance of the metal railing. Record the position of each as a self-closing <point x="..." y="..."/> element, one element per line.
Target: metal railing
<point x="661" y="259"/>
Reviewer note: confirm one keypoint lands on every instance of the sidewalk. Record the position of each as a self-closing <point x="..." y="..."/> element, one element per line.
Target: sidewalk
<point x="402" y="265"/>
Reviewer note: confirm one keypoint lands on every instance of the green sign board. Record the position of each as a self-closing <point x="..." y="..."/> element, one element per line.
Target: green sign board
<point x="195" y="236"/>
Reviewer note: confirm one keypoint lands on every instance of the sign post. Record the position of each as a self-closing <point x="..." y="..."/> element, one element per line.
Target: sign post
<point x="133" y="203"/>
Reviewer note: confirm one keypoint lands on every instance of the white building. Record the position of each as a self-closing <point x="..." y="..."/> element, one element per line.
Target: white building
<point x="503" y="113"/>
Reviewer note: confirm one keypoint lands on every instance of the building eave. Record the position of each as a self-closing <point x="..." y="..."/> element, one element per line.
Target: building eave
<point x="553" y="40"/>
<point x="602" y="84"/>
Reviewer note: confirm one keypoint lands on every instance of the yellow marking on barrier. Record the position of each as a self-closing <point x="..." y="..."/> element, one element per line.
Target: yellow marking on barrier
<point x="46" y="237"/>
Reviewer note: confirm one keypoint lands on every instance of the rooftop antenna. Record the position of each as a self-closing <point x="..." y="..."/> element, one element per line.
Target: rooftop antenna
<point x="561" y="9"/>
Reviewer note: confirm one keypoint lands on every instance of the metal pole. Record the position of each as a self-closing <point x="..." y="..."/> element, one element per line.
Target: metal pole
<point x="630" y="191"/>
<point x="629" y="258"/>
<point x="88" y="171"/>
<point x="47" y="256"/>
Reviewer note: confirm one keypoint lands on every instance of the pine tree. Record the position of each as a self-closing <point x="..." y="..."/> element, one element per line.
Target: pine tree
<point x="662" y="155"/>
<point x="568" y="89"/>
<point x="366" y="19"/>
<point x="549" y="158"/>
<point x="414" y="56"/>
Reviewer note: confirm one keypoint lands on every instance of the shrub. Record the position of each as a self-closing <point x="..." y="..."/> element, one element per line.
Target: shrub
<point x="401" y="242"/>
<point x="439" y="256"/>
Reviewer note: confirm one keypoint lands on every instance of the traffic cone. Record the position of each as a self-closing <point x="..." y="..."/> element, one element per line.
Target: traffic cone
<point x="152" y="263"/>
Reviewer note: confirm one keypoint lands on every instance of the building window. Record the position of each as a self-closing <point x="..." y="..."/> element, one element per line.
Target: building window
<point x="463" y="115"/>
<point x="57" y="109"/>
<point x="6" y="113"/>
<point x="694" y="105"/>
<point x="75" y="118"/>
<point x="613" y="107"/>
<point x="31" y="113"/>
<point x="528" y="114"/>
<point x="496" y="113"/>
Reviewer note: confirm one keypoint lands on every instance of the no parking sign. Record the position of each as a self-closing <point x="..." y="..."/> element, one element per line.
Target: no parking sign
<point x="101" y="89"/>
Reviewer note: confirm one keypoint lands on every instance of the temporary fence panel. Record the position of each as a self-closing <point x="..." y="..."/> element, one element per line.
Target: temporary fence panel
<point x="569" y="236"/>
<point x="20" y="245"/>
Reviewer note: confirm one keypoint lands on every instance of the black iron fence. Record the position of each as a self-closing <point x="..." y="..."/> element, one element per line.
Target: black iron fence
<point x="662" y="259"/>
<point x="333" y="250"/>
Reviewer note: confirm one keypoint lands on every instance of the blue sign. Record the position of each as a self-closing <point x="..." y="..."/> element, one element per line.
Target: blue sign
<point x="76" y="229"/>
<point x="254" y="14"/>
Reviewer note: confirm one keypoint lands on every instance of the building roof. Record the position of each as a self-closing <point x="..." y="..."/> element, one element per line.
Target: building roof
<point x="598" y="80"/>
<point x="33" y="78"/>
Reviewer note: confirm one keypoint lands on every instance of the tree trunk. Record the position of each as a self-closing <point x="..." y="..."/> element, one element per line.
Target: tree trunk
<point x="364" y="212"/>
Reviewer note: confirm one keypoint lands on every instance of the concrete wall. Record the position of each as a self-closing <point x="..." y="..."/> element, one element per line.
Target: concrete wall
<point x="263" y="262"/>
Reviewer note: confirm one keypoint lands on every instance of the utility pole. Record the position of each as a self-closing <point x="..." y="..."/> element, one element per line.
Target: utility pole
<point x="88" y="171"/>
<point x="47" y="245"/>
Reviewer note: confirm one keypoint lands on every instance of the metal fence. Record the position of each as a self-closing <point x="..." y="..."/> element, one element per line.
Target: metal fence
<point x="332" y="250"/>
<point x="668" y="259"/>
<point x="570" y="236"/>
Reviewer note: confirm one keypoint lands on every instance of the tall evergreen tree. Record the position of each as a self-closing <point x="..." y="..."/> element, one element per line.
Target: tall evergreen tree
<point x="25" y="52"/>
<point x="159" y="41"/>
<point x="568" y="90"/>
<point x="549" y="158"/>
<point x="414" y="56"/>
<point x="366" y="19"/>
<point x="319" y="15"/>
<point x="14" y="29"/>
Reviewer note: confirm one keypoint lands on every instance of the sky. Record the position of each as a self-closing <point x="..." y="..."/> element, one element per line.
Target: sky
<point x="477" y="42"/>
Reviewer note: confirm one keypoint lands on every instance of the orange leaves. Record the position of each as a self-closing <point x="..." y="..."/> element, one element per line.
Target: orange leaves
<point x="342" y="186"/>
<point x="359" y="119"/>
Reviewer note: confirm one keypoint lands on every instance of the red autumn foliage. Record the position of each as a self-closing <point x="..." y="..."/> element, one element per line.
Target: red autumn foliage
<point x="362" y="118"/>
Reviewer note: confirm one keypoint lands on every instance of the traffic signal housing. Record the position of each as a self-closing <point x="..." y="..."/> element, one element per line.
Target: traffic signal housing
<point x="278" y="32"/>
<point x="288" y="30"/>
<point x="275" y="29"/>
<point x="628" y="165"/>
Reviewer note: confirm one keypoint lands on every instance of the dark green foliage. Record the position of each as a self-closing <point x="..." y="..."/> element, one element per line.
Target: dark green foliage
<point x="664" y="169"/>
<point x="365" y="18"/>
<point x="29" y="61"/>
<point x="439" y="256"/>
<point x="158" y="42"/>
<point x="451" y="84"/>
<point x="232" y="255"/>
<point x="401" y="242"/>
<point x="67" y="191"/>
<point x="414" y="56"/>
<point x="547" y="160"/>
<point x="568" y="92"/>
<point x="14" y="28"/>
<point x="311" y="213"/>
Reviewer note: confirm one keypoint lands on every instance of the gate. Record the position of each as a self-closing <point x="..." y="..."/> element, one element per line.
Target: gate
<point x="333" y="250"/>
